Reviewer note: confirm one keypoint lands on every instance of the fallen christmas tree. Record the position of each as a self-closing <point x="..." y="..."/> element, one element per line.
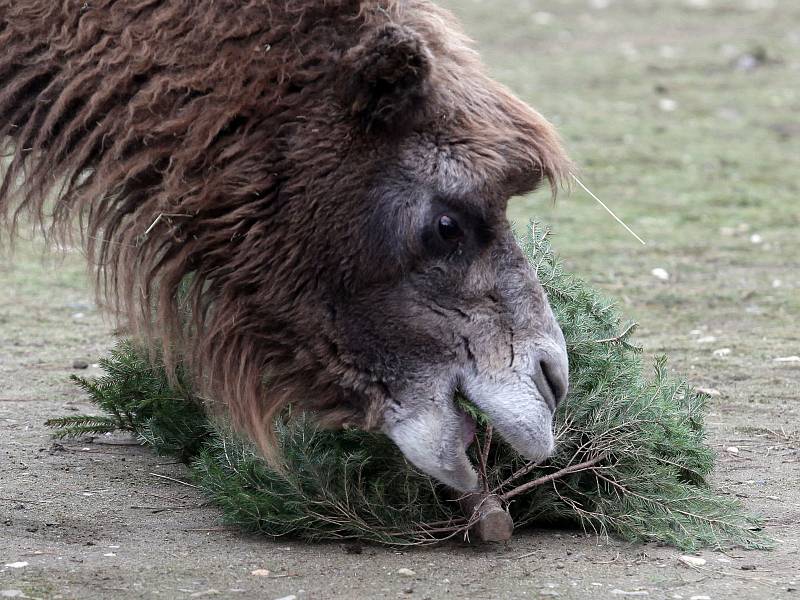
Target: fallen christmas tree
<point x="631" y="457"/>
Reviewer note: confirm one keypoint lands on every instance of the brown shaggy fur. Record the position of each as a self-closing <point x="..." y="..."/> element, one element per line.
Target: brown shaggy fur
<point x="231" y="146"/>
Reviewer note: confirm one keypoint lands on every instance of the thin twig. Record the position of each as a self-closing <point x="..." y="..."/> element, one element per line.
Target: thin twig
<point x="608" y="210"/>
<point x="191" y="485"/>
<point x="547" y="478"/>
<point x="612" y="340"/>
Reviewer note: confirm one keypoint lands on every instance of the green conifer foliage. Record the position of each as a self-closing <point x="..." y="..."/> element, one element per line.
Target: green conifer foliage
<point x="631" y="457"/>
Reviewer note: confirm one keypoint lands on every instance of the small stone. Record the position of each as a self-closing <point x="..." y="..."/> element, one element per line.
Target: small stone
<point x="292" y="597"/>
<point x="408" y="590"/>
<point x="787" y="359"/>
<point x="732" y="450"/>
<point x="756" y="239"/>
<point x="667" y="104"/>
<point x="706" y="339"/>
<point x="722" y="352"/>
<point x="748" y="567"/>
<point x="260" y="572"/>
<point x="660" y="274"/>
<point x="692" y="561"/>
<point x="406" y="572"/>
<point x="712" y="392"/>
<point x="80" y="363"/>
<point x="17" y="565"/>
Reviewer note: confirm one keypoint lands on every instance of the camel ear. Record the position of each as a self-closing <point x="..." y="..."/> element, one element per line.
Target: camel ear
<point x="386" y="77"/>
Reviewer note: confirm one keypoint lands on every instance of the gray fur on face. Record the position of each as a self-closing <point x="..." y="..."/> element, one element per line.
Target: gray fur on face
<point x="476" y="321"/>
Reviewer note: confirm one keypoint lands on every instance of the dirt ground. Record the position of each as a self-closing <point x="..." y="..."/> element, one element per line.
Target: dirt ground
<point x="682" y="115"/>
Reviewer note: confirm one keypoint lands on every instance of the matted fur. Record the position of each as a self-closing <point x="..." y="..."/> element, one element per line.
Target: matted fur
<point x="228" y="146"/>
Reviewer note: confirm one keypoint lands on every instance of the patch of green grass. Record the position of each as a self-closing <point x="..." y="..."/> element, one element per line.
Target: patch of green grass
<point x="727" y="155"/>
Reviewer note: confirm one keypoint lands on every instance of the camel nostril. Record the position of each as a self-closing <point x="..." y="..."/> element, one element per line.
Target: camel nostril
<point x="552" y="381"/>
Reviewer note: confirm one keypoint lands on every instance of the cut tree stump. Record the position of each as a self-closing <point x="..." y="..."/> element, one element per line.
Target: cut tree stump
<point x="494" y="524"/>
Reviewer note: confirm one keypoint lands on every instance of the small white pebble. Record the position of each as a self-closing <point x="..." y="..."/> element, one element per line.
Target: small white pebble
<point x="713" y="392"/>
<point x="260" y="572"/>
<point x="756" y="239"/>
<point x="660" y="274"/>
<point x="732" y="450"/>
<point x="16" y="565"/>
<point x="722" y="352"/>
<point x="787" y="359"/>
<point x="706" y="339"/>
<point x="776" y="283"/>
<point x="667" y="52"/>
<point x="109" y="554"/>
<point x="692" y="561"/>
<point x="292" y="597"/>
<point x="667" y="105"/>
<point x="78" y="315"/>
<point x="406" y="572"/>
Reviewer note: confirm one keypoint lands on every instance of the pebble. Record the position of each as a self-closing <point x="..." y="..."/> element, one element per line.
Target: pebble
<point x="667" y="104"/>
<point x="17" y="565"/>
<point x="406" y="572"/>
<point x="722" y="352"/>
<point x="260" y="572"/>
<point x="660" y="274"/>
<point x="706" y="339"/>
<point x="732" y="450"/>
<point x="787" y="359"/>
<point x="292" y="597"/>
<point x="692" y="561"/>
<point x="79" y="363"/>
<point x="713" y="392"/>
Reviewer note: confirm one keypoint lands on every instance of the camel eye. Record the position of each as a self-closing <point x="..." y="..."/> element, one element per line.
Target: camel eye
<point x="449" y="229"/>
